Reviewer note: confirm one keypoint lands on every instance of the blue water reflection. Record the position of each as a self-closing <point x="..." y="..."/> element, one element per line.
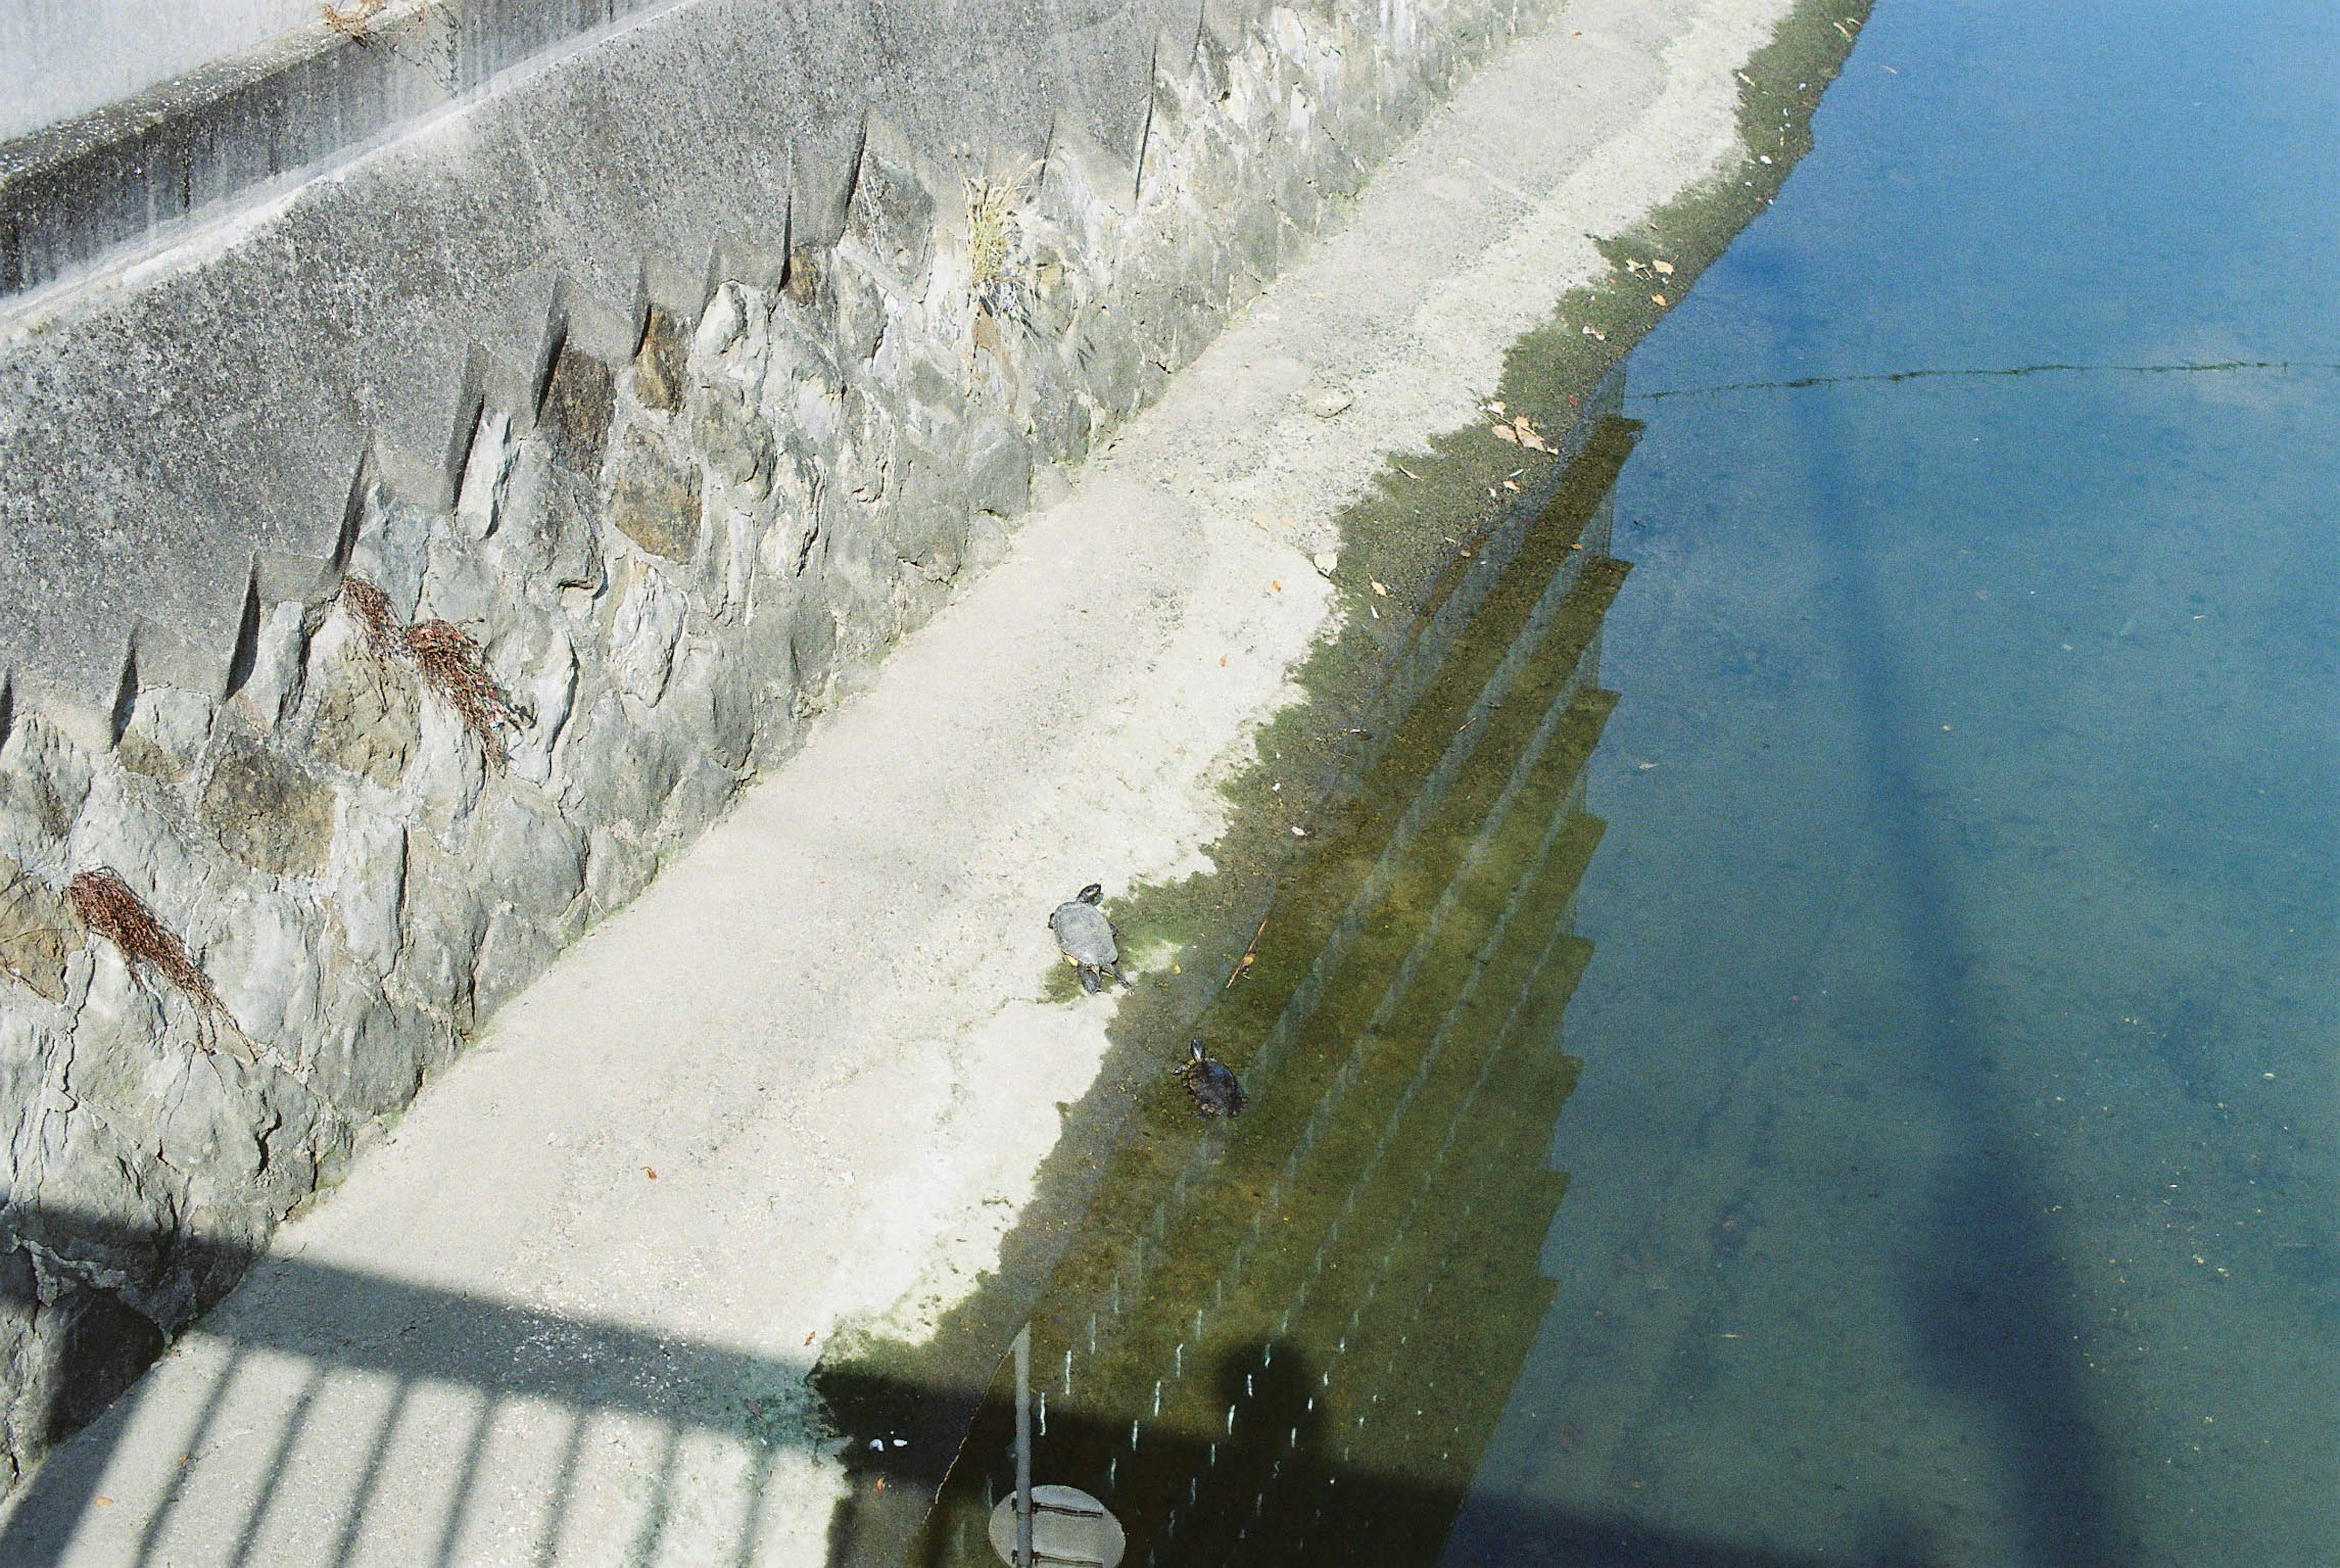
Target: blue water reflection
<point x="1956" y="1167"/>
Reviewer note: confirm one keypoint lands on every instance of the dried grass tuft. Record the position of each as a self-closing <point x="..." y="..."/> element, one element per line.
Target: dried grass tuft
<point x="352" y="22"/>
<point x="103" y="902"/>
<point x="451" y="666"/>
<point x="992" y="235"/>
<point x="370" y="607"/>
<point x="450" y="661"/>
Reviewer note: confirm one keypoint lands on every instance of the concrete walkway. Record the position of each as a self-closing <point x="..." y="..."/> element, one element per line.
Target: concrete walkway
<point x="563" y="1315"/>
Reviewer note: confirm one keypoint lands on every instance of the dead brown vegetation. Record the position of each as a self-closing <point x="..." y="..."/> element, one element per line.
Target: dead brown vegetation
<point x="451" y="665"/>
<point x="370" y="607"/>
<point x="351" y="21"/>
<point x="104" y="903"/>
<point x="448" y="658"/>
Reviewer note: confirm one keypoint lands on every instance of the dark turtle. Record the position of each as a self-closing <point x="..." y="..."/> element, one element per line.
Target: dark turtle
<point x="1089" y="938"/>
<point x="1212" y="1084"/>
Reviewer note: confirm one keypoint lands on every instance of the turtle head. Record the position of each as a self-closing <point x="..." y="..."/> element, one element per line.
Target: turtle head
<point x="1195" y="1045"/>
<point x="1092" y="894"/>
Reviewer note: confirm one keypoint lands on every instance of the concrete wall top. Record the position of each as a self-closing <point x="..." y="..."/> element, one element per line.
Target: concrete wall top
<point x="66" y="57"/>
<point x="166" y="424"/>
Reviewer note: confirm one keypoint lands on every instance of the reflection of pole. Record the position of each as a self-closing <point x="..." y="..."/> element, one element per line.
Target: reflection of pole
<point x="1024" y="1447"/>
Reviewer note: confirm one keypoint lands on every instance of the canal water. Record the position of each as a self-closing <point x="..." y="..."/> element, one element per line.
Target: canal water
<point x="1812" y="1038"/>
<point x="1956" y="1162"/>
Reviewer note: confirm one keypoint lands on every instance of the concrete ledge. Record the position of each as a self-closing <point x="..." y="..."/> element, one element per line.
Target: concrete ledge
<point x="73" y="192"/>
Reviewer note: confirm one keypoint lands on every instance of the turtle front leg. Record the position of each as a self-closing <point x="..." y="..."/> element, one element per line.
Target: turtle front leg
<point x="1089" y="981"/>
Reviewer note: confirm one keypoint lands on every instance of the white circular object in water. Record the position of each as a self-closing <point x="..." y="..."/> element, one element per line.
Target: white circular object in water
<point x="1070" y="1529"/>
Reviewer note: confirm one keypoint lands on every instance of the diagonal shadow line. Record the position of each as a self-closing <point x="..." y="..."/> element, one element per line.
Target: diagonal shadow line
<point x="353" y="1516"/>
<point x="150" y="1539"/>
<point x="547" y="1535"/>
<point x="759" y="1487"/>
<point x="450" y="1527"/>
<point x="1989" y="1294"/>
<point x="652" y="1529"/>
<point x="279" y="1463"/>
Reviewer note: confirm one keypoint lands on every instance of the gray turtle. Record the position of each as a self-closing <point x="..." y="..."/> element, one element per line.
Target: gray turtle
<point x="1087" y="939"/>
<point x="1210" y="1083"/>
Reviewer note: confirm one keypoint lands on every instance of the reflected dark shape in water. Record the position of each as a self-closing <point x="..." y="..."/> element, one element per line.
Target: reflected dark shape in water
<point x="1287" y="1339"/>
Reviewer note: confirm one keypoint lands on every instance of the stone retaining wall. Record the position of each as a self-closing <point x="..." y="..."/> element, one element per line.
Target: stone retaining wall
<point x="442" y="749"/>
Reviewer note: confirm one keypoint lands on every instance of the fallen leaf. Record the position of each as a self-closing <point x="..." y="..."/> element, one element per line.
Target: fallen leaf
<point x="1665" y="267"/>
<point x="103" y="1501"/>
<point x="650" y="1173"/>
<point x="1380" y="589"/>
<point x="810" y="1333"/>
<point x="1505" y="433"/>
<point x="1658" y="299"/>
<point x="1275" y="585"/>
<point x="1222" y="661"/>
<point x="1596" y="332"/>
<point x="1299" y="832"/>
<point x="1511" y="484"/>
<point x="1407" y="472"/>
<point x="881" y="1484"/>
<point x="1494" y="407"/>
<point x="1532" y="441"/>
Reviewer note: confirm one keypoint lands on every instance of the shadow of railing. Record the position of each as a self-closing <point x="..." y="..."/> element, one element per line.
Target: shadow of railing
<point x="325" y="1418"/>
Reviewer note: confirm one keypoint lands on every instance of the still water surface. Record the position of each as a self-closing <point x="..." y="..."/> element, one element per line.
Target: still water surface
<point x="1956" y="1162"/>
<point x="1822" y="1049"/>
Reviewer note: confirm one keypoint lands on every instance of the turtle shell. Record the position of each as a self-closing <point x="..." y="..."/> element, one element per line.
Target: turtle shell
<point x="1212" y="1084"/>
<point x="1084" y="934"/>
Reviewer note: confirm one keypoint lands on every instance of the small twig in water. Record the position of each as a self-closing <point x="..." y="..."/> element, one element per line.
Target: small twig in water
<point x="1250" y="955"/>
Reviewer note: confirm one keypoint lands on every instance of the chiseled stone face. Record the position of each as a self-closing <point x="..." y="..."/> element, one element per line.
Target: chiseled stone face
<point x="269" y="812"/>
<point x="33" y="931"/>
<point x="660" y="363"/>
<point x="575" y="416"/>
<point x="654" y="500"/>
<point x="366" y="718"/>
